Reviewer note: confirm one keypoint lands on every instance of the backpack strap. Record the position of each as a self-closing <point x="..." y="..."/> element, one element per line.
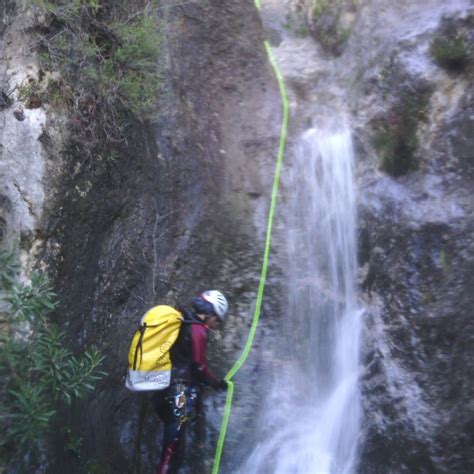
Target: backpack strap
<point x="139" y="347"/>
<point x="142" y="328"/>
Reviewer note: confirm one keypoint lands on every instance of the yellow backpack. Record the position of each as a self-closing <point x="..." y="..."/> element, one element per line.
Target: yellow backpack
<point x="149" y="362"/>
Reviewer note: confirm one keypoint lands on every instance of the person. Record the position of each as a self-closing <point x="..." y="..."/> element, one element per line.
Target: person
<point x="176" y="405"/>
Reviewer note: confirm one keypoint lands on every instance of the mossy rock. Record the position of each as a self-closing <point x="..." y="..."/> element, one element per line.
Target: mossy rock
<point x="451" y="53"/>
<point x="452" y="45"/>
<point x="396" y="132"/>
<point x="330" y="22"/>
<point x="397" y="151"/>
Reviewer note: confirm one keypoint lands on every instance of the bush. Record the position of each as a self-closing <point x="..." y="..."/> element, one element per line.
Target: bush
<point x="37" y="370"/>
<point x="107" y="58"/>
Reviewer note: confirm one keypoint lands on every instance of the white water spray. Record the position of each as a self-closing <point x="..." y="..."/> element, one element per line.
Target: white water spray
<point x="311" y="420"/>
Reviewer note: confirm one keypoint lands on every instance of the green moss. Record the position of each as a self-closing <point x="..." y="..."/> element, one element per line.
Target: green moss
<point x="322" y="6"/>
<point x="44" y="5"/>
<point x="451" y="52"/>
<point x="65" y="9"/>
<point x="296" y="22"/>
<point x="56" y="92"/>
<point x="94" y="467"/>
<point x="34" y="93"/>
<point x="29" y="92"/>
<point x="396" y="150"/>
<point x="327" y="26"/>
<point x="109" y="155"/>
<point x="396" y="136"/>
<point x="451" y="47"/>
<point x="343" y="35"/>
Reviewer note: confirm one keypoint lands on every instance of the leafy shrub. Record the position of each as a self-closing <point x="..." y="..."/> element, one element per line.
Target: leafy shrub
<point x="107" y="57"/>
<point x="37" y="370"/>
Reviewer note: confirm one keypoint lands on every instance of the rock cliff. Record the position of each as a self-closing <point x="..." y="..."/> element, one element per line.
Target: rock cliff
<point x="184" y="208"/>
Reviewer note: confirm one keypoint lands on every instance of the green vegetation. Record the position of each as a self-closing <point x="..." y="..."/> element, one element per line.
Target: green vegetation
<point x="396" y="150"/>
<point x="296" y="21"/>
<point x="452" y="45"/>
<point x="321" y="7"/>
<point x="39" y="373"/>
<point x="34" y="93"/>
<point x="451" y="52"/>
<point x="328" y="21"/>
<point x="396" y="133"/>
<point x="30" y="93"/>
<point x="328" y="26"/>
<point x="106" y="55"/>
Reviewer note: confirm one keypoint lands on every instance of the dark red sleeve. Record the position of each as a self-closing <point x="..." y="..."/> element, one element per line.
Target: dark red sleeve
<point x="199" y="343"/>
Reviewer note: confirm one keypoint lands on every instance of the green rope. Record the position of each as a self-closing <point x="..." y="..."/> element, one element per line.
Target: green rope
<point x="266" y="256"/>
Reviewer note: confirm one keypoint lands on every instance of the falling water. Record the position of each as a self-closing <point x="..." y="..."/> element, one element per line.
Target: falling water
<point x="311" y="419"/>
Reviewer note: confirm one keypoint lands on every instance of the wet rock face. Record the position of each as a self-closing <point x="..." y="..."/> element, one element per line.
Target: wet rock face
<point x="416" y="255"/>
<point x="460" y="138"/>
<point x="177" y="214"/>
<point x="185" y="209"/>
<point x="418" y="358"/>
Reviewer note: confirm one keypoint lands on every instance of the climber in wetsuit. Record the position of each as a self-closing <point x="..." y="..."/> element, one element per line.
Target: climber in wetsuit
<point x="176" y="405"/>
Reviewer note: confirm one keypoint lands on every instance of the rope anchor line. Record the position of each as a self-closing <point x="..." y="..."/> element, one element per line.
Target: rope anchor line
<point x="256" y="317"/>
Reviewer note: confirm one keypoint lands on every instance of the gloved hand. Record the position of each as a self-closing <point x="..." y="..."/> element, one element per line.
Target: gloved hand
<point x="221" y="385"/>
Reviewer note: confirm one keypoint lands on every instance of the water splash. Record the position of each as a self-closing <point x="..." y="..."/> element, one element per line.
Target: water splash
<point x="312" y="415"/>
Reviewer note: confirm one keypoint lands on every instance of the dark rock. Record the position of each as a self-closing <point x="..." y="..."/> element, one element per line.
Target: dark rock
<point x="418" y="355"/>
<point x="34" y="102"/>
<point x="5" y="100"/>
<point x="19" y="114"/>
<point x="460" y="142"/>
<point x="167" y="219"/>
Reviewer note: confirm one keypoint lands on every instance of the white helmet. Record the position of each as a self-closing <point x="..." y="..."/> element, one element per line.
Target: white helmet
<point x="218" y="301"/>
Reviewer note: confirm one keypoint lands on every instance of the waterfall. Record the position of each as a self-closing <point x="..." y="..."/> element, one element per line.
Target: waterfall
<point x="310" y="421"/>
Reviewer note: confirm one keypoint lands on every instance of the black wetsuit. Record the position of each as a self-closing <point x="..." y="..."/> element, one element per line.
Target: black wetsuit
<point x="177" y="404"/>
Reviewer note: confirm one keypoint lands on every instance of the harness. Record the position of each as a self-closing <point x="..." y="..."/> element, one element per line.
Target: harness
<point x="182" y="402"/>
